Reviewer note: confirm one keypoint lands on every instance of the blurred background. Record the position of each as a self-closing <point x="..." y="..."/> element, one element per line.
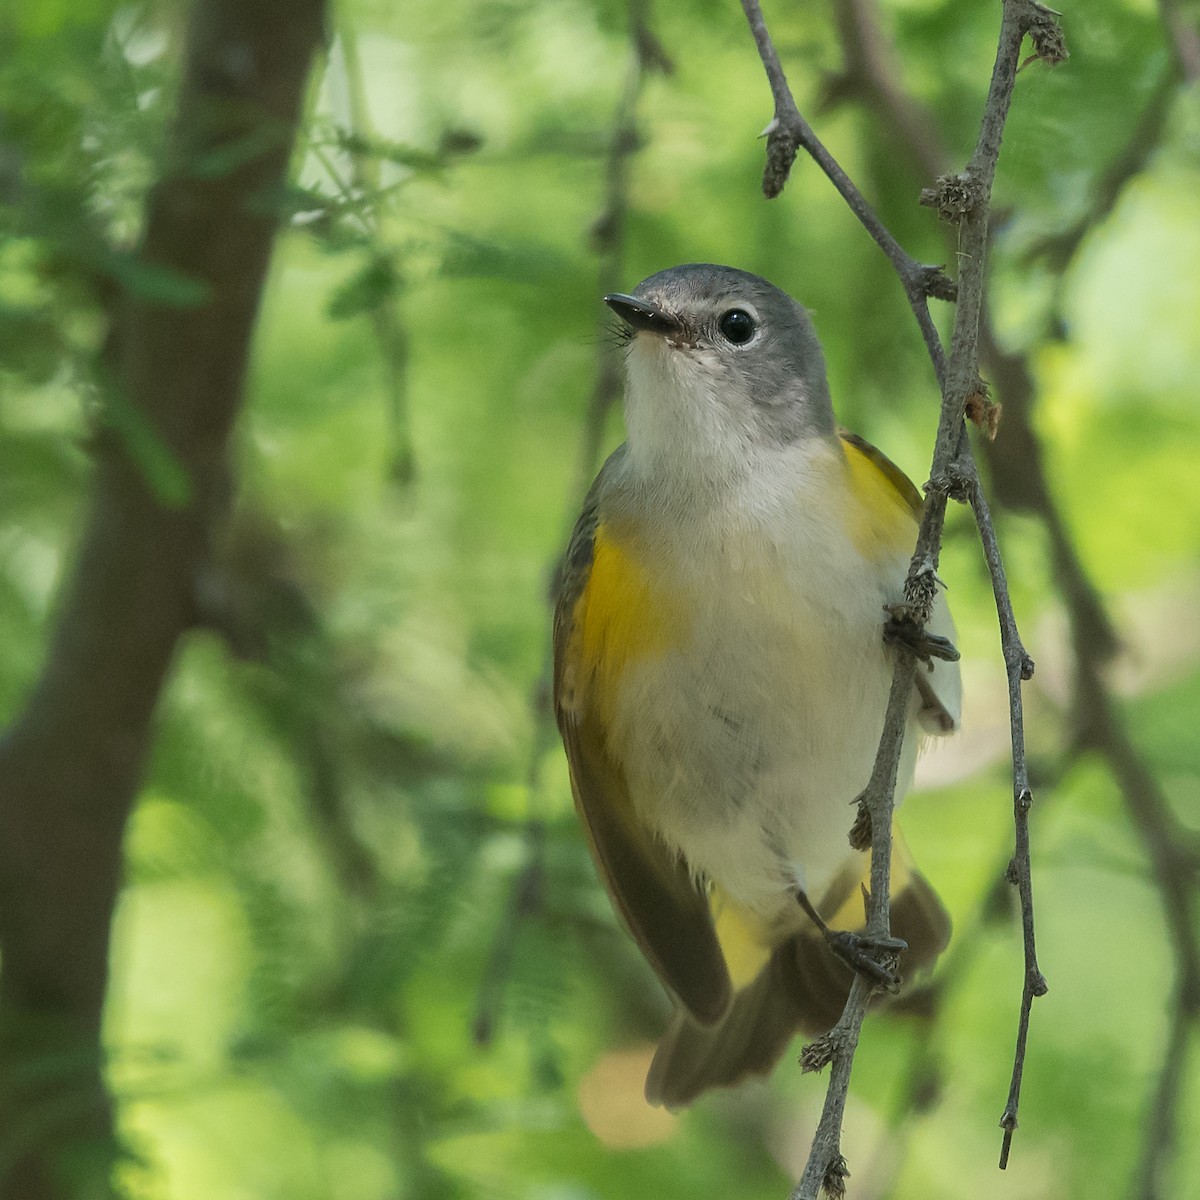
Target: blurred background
<point x="360" y="951"/>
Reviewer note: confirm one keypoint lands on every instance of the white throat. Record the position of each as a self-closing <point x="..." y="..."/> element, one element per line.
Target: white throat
<point x="693" y="439"/>
<point x="679" y="414"/>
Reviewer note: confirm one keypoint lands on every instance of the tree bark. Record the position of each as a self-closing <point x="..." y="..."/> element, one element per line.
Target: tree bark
<point x="71" y="763"/>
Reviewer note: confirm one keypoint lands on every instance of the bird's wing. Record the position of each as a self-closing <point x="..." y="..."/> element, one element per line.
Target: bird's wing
<point x="651" y="887"/>
<point x="900" y="484"/>
<point x="941" y="688"/>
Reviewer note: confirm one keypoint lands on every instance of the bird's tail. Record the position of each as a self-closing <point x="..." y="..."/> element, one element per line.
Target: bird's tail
<point x="802" y="988"/>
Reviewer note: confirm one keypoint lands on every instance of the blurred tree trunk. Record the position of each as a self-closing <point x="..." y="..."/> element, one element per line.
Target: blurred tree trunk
<point x="71" y="764"/>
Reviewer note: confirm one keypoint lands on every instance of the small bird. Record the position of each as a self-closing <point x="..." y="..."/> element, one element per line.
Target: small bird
<point x="721" y="672"/>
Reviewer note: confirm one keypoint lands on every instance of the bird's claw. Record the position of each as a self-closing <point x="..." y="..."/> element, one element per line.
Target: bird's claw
<point x="873" y="957"/>
<point x="869" y="956"/>
<point x="900" y="629"/>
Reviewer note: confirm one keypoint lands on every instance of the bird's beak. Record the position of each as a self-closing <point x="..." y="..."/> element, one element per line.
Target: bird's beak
<point x="641" y="314"/>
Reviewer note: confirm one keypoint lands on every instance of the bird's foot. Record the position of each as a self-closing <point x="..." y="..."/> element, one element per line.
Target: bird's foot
<point x="902" y="629"/>
<point x="875" y="958"/>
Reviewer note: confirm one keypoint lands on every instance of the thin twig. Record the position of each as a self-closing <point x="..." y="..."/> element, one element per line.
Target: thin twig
<point x="967" y="196"/>
<point x="826" y="1167"/>
<point x="608" y="236"/>
<point x="789" y="131"/>
<point x="1094" y="643"/>
<point x="1015" y="461"/>
<point x="964" y="199"/>
<point x="1019" y="668"/>
<point x="1020" y="480"/>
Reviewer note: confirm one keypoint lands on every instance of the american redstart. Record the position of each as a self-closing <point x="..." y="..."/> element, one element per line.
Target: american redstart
<point x="721" y="672"/>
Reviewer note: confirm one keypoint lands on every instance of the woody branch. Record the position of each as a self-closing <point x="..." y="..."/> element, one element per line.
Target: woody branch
<point x="1020" y="481"/>
<point x="965" y="200"/>
<point x="72" y="760"/>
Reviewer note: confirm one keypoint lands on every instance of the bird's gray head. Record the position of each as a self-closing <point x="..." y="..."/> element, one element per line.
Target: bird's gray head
<point x="720" y="363"/>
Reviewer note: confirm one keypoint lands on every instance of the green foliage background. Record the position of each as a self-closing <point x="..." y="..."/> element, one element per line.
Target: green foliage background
<point x="317" y="915"/>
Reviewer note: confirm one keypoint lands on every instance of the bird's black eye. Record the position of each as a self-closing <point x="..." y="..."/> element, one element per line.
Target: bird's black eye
<point x="737" y="326"/>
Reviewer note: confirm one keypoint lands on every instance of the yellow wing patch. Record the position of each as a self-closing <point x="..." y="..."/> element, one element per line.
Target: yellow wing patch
<point x="882" y="519"/>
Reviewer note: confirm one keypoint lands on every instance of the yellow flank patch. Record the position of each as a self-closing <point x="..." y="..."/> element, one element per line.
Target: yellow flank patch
<point x="620" y="618"/>
<point x="879" y="519"/>
<point x="744" y="938"/>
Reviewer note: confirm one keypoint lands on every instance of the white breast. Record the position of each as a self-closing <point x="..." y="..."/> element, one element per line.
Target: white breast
<point x="746" y="747"/>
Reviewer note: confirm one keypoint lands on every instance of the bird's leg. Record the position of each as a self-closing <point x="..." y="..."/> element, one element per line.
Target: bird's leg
<point x="901" y="629"/>
<point x="859" y="951"/>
